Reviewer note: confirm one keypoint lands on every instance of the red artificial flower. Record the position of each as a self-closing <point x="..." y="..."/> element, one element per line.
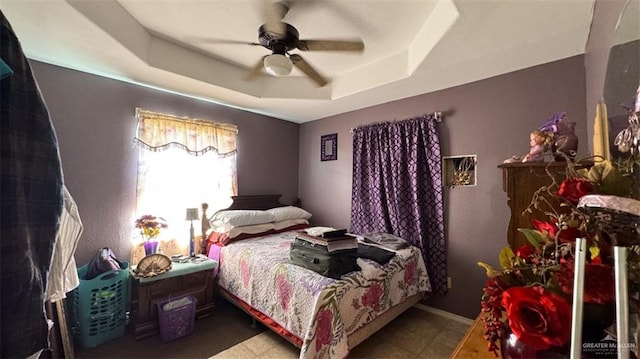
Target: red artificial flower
<point x="492" y="308"/>
<point x="574" y="188"/>
<point x="525" y="251"/>
<point x="533" y="288"/>
<point x="598" y="282"/>
<point x="569" y="235"/>
<point x="538" y="318"/>
<point x="543" y="227"/>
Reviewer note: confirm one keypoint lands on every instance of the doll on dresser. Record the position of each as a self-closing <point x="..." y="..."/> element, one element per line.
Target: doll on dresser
<point x="540" y="142"/>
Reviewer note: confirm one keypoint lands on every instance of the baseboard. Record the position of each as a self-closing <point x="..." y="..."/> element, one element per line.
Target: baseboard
<point x="457" y="318"/>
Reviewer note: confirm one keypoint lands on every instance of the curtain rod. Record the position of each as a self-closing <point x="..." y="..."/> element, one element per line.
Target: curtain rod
<point x="437" y="116"/>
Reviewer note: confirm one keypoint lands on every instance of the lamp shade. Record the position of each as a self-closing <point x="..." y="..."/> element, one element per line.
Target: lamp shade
<point x="192" y="214"/>
<point x="278" y="65"/>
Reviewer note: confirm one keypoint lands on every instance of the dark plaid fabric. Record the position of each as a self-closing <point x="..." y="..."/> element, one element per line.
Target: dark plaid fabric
<point x="397" y="188"/>
<point x="31" y="203"/>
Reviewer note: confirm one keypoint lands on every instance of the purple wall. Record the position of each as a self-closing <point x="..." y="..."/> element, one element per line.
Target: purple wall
<point x="94" y="121"/>
<point x="93" y="117"/>
<point x="491" y="119"/>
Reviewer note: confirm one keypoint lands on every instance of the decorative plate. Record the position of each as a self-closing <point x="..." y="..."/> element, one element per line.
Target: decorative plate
<point x="153" y="265"/>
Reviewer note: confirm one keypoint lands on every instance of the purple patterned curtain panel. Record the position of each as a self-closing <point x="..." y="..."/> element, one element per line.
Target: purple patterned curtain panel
<point x="397" y="188"/>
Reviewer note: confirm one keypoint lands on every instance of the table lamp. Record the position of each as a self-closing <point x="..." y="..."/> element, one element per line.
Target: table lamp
<point x="192" y="215"/>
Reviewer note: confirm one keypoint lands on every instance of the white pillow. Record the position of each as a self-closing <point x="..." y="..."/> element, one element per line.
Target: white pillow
<point x="288" y="223"/>
<point x="289" y="212"/>
<point x="238" y="218"/>
<point x="233" y="232"/>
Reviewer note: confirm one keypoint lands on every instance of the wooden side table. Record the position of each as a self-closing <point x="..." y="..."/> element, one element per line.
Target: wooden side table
<point x="473" y="345"/>
<point x="192" y="278"/>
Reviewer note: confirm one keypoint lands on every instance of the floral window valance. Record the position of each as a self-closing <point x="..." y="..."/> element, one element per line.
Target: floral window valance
<point x="158" y="132"/>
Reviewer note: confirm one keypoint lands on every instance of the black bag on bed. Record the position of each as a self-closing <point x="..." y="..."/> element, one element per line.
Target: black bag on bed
<point x="318" y="259"/>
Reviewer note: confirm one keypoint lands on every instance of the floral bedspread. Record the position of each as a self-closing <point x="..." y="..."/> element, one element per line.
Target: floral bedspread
<point x="320" y="310"/>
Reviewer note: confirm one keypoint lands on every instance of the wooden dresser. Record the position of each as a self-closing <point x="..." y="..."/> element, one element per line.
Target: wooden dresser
<point x="194" y="279"/>
<point x="520" y="181"/>
<point x="473" y="345"/>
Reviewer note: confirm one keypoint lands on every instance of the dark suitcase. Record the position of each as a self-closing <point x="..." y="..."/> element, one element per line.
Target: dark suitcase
<point x="318" y="259"/>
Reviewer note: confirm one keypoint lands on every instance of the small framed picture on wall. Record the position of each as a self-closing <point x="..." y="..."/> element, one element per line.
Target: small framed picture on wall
<point x="329" y="147"/>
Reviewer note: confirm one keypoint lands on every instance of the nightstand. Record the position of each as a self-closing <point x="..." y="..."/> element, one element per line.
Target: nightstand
<point x="192" y="278"/>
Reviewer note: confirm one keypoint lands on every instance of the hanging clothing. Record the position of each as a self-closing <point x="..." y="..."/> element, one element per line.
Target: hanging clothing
<point x="30" y="202"/>
<point x="63" y="275"/>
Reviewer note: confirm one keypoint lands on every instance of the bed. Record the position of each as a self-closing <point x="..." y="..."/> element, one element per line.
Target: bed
<point x="324" y="317"/>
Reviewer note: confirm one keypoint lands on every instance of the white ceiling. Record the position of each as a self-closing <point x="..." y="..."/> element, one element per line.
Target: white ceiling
<point x="411" y="46"/>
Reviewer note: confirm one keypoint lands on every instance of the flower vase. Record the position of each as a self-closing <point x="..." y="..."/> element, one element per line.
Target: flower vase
<point x="595" y="319"/>
<point x="150" y="247"/>
<point x="513" y="348"/>
<point x="565" y="141"/>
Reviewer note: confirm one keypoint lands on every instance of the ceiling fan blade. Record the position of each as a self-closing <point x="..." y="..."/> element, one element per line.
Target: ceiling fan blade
<point x="213" y="40"/>
<point x="272" y="14"/>
<point x="304" y="66"/>
<point x="281" y="8"/>
<point x="255" y="70"/>
<point x="330" y="45"/>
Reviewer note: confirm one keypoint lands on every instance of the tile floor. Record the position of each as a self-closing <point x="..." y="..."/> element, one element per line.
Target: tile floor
<point x="417" y="333"/>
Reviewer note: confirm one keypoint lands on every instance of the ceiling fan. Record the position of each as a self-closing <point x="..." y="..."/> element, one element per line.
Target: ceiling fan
<point x="282" y="38"/>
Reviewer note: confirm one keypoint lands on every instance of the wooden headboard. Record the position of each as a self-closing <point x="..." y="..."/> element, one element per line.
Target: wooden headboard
<point x="260" y="201"/>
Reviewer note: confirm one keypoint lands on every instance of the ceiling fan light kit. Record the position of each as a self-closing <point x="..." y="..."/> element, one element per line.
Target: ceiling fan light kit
<point x="281" y="39"/>
<point x="278" y="65"/>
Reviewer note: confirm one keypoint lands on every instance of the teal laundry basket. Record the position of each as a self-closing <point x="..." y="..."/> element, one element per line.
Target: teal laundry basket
<point x="99" y="306"/>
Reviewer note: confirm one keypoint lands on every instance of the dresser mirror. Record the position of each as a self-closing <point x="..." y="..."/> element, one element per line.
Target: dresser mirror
<point x="622" y="82"/>
<point x="623" y="71"/>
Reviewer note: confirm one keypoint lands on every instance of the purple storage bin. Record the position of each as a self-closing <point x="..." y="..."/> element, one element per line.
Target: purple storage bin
<point x="176" y="316"/>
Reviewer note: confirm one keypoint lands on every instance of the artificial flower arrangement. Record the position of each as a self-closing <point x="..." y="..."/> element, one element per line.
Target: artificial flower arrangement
<point x="150" y="226"/>
<point x="530" y="295"/>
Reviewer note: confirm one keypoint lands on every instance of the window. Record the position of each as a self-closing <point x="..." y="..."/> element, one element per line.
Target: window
<point x="181" y="164"/>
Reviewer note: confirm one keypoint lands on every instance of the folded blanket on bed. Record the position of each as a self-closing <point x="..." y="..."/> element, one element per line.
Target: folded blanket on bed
<point x="318" y="231"/>
<point x="386" y="240"/>
<point x="374" y="253"/>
